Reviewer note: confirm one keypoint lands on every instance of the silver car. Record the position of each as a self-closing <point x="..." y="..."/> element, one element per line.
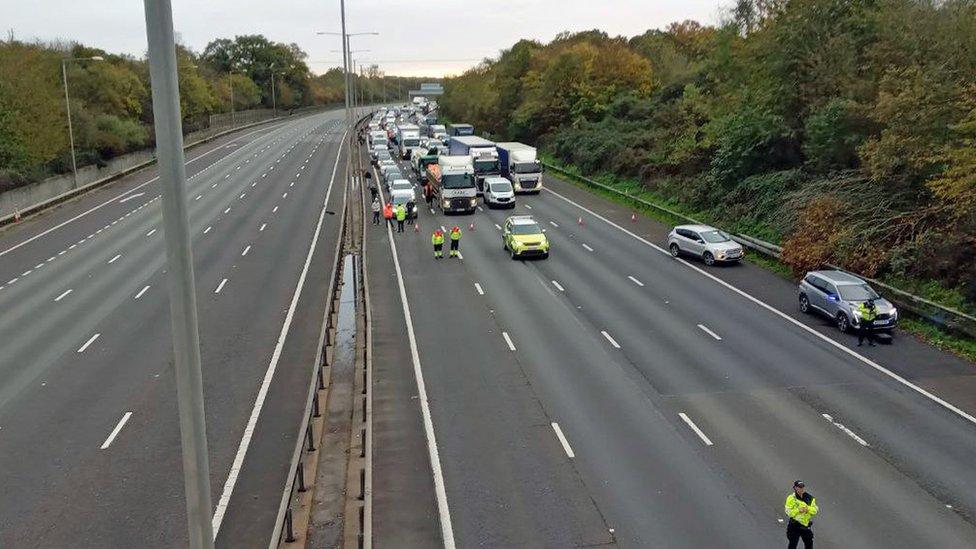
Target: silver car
<point x="837" y="295"/>
<point x="708" y="243"/>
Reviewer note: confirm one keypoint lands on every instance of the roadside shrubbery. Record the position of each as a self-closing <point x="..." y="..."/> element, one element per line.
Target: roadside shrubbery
<point x="845" y="130"/>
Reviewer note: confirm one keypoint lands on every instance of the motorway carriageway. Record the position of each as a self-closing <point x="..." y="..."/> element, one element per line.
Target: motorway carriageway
<point x="614" y="395"/>
<point x="89" y="433"/>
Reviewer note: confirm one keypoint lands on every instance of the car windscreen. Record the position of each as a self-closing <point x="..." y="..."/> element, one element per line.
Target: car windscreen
<point x="857" y="292"/>
<point x="715" y="237"/>
<point x="526" y="228"/>
<point x="411" y="142"/>
<point x="402" y="186"/>
<point x="501" y="187"/>
<point x="402" y="199"/>
<point x="484" y="166"/>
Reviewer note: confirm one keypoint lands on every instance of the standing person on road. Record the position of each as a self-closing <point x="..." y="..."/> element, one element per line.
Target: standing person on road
<point x="376" y="210"/>
<point x="401" y="216"/>
<point x="868" y="311"/>
<point x="455" y="241"/>
<point x="429" y="196"/>
<point x="370" y="183"/>
<point x="801" y="507"/>
<point x="437" y="239"/>
<point x="388" y="213"/>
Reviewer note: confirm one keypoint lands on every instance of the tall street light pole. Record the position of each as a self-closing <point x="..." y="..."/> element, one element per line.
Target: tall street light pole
<point x="179" y="260"/>
<point x="274" y="99"/>
<point x="67" y="105"/>
<point x="345" y="53"/>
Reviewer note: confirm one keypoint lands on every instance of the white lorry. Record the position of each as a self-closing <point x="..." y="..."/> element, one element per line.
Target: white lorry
<point x="519" y="163"/>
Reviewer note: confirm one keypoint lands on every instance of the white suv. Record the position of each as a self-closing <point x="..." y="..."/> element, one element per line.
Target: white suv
<point x="708" y="243"/>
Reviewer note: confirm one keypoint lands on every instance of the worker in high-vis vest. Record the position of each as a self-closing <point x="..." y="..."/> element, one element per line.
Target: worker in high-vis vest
<point x="401" y="216"/>
<point x="437" y="239"/>
<point x="455" y="241"/>
<point x="801" y="507"/>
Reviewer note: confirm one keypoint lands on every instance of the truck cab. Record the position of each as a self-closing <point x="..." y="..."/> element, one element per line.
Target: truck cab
<point x="484" y="156"/>
<point x="519" y="163"/>
<point x="452" y="180"/>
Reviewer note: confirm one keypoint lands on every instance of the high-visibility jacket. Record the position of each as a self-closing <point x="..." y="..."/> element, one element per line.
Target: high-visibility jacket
<point x="456" y="234"/>
<point x="401" y="213"/>
<point x="437" y="238"/>
<point x="867" y="314"/>
<point x="793" y="504"/>
<point x="388" y="211"/>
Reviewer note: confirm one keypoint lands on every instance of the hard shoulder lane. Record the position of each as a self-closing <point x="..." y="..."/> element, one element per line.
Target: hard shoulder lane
<point x="135" y="337"/>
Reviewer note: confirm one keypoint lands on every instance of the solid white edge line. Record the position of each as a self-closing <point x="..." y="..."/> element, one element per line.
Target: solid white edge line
<point x="478" y="287"/>
<point x="447" y="529"/>
<point x="558" y="286"/>
<point x="115" y="432"/>
<point x="610" y="339"/>
<point x="111" y="200"/>
<point x="635" y="281"/>
<point x="142" y="291"/>
<point x="695" y="428"/>
<point x="945" y="404"/>
<point x="252" y="421"/>
<point x="508" y="341"/>
<point x="562" y="440"/>
<point x="709" y="332"/>
<point x="87" y="343"/>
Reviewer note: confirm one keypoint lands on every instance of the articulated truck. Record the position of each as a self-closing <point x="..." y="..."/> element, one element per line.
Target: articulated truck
<point x="484" y="156"/>
<point x="452" y="180"/>
<point x="519" y="164"/>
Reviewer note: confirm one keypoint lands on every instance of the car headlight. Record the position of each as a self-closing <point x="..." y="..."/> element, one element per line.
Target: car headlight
<point x="894" y="313"/>
<point x="856" y="313"/>
<point x="474" y="201"/>
<point x="518" y="186"/>
<point x="447" y="203"/>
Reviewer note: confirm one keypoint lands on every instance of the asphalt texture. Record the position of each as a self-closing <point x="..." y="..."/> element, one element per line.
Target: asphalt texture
<point x="690" y="398"/>
<point x="89" y="432"/>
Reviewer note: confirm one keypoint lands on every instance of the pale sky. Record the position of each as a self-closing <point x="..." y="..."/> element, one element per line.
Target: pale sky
<point x="417" y="37"/>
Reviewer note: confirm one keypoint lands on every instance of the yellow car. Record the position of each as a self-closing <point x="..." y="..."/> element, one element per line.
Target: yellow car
<point x="522" y="237"/>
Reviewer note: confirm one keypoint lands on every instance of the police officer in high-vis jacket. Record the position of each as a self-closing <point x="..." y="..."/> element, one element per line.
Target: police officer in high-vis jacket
<point x="801" y="507"/>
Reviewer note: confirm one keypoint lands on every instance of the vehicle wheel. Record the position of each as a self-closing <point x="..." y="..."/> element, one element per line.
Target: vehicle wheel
<point x="804" y="304"/>
<point x="545" y="255"/>
<point x="675" y="252"/>
<point x="843" y="323"/>
<point x="514" y="255"/>
<point x="708" y="258"/>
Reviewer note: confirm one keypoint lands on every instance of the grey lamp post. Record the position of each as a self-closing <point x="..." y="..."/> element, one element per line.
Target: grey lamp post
<point x="274" y="101"/>
<point x="67" y="104"/>
<point x="345" y="54"/>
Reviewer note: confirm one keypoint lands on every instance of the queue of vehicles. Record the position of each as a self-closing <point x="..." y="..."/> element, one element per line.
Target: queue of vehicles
<point x="460" y="166"/>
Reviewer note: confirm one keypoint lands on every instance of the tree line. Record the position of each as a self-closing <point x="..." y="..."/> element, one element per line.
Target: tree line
<point x="844" y="129"/>
<point x="111" y="103"/>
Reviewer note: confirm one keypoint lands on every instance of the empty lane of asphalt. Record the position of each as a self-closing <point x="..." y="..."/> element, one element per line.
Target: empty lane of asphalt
<point x="75" y="401"/>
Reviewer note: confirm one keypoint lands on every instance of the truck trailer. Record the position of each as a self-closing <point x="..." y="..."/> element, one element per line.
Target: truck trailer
<point x="520" y="164"/>
<point x="460" y="130"/>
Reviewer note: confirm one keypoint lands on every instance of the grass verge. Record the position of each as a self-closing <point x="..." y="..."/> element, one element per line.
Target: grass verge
<point x="923" y="330"/>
